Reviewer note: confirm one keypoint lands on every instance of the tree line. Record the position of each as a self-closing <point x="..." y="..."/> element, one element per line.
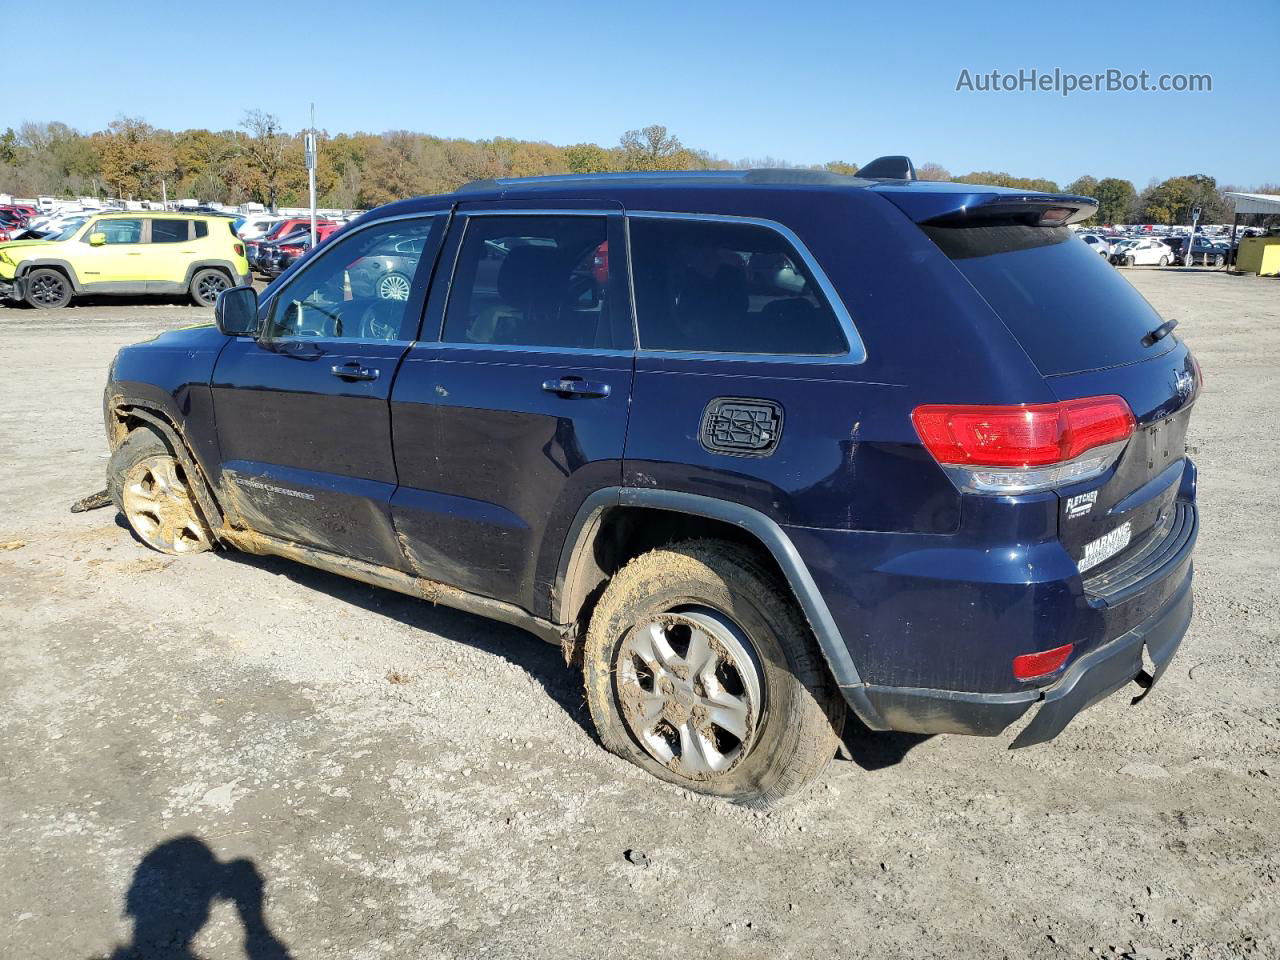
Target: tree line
<point x="261" y="161"/>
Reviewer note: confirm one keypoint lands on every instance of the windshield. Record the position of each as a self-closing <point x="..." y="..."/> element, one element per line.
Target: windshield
<point x="67" y="231"/>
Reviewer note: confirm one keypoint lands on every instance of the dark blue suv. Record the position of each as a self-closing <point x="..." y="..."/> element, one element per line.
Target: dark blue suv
<point x="752" y="448"/>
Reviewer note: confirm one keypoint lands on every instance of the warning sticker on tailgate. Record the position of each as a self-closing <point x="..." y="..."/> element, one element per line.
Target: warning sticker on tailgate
<point x="1106" y="546"/>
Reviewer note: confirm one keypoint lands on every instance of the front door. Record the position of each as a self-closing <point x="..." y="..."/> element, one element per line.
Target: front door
<point x="302" y="410"/>
<point x="520" y="411"/>
<point x="122" y="256"/>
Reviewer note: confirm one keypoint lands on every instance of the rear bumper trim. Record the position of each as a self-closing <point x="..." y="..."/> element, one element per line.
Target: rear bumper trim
<point x="1094" y="676"/>
<point x="1104" y="671"/>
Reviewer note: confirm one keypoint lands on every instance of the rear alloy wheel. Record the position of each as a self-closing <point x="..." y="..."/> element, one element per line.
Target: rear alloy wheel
<point x="394" y="286"/>
<point x="206" y="285"/>
<point x="1164" y="261"/>
<point x="1218" y="260"/>
<point x="48" y="289"/>
<point x="149" y="487"/>
<point x="701" y="669"/>
<point x="691" y="690"/>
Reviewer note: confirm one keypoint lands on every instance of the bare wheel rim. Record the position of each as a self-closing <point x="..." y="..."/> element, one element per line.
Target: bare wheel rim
<point x="159" y="508"/>
<point x="393" y="287"/>
<point x="690" y="691"/>
<point x="210" y="286"/>
<point x="47" y="289"/>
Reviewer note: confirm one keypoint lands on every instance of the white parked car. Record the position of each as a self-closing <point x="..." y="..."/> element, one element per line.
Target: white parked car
<point x="1142" y="252"/>
<point x="256" y="225"/>
<point x="1097" y="243"/>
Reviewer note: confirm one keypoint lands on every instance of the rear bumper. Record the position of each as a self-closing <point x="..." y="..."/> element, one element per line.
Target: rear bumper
<point x="933" y="626"/>
<point x="1093" y="677"/>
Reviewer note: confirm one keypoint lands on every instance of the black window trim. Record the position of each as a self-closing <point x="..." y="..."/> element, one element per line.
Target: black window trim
<point x="462" y="221"/>
<point x="856" y="352"/>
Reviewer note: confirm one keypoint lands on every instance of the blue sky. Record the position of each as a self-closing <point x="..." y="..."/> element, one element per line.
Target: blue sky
<point x="792" y="79"/>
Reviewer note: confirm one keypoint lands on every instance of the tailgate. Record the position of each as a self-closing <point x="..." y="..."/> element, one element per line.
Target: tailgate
<point x="1126" y="512"/>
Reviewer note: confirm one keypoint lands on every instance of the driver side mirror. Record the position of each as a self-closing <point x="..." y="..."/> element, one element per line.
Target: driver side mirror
<point x="97" y="239"/>
<point x="236" y="312"/>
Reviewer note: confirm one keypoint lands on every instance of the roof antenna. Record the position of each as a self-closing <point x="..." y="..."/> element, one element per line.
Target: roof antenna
<point x="888" y="168"/>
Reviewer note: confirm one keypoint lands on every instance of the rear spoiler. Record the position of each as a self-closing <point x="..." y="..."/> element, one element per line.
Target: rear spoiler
<point x="958" y="208"/>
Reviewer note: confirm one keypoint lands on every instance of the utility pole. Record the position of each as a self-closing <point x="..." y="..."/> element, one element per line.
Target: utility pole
<point x="164" y="194"/>
<point x="310" y="143"/>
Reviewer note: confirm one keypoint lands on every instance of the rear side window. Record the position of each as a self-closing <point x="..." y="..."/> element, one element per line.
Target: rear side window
<point x="1069" y="309"/>
<point x="717" y="287"/>
<point x="170" y="231"/>
<point x="541" y="281"/>
<point x="202" y="229"/>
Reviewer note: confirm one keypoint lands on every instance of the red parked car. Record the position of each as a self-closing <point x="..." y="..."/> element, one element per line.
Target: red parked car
<point x="258" y="247"/>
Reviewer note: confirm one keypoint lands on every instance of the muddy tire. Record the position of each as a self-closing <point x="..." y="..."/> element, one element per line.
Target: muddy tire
<point x="701" y="669"/>
<point x="48" y="289"/>
<point x="149" y="487"/>
<point x="206" y="285"/>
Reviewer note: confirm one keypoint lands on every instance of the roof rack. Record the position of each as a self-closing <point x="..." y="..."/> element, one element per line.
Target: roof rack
<point x="882" y="168"/>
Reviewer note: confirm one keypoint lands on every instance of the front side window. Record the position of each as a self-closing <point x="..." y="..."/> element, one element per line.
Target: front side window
<point x="540" y="281"/>
<point x="170" y="231"/>
<point x="717" y="287"/>
<point x="359" y="287"/>
<point x="118" y="231"/>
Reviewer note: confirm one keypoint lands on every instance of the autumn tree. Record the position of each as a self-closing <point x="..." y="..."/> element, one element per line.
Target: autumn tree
<point x="265" y="148"/>
<point x="932" y="171"/>
<point x="133" y="161"/>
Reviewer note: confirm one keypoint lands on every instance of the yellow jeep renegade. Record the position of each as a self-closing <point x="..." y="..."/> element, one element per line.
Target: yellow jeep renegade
<point x="127" y="253"/>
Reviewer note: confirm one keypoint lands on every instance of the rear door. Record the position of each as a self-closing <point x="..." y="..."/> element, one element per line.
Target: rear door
<point x="1089" y="332"/>
<point x="171" y="246"/>
<point x="520" y="411"/>
<point x="302" y="410"/>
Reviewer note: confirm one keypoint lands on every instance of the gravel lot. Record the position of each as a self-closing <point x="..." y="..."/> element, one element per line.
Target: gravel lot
<point x="295" y="764"/>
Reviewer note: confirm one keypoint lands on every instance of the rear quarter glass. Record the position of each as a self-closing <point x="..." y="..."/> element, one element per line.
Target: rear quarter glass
<point x="1068" y="308"/>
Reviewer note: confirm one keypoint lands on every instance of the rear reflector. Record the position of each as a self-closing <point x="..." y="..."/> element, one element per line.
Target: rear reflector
<point x="1020" y="448"/>
<point x="1033" y="666"/>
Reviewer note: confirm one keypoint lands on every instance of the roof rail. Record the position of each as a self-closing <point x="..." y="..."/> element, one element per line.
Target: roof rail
<point x="760" y="176"/>
<point x="889" y="168"/>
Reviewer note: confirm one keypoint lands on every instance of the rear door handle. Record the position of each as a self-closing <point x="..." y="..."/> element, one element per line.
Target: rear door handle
<point x="576" y="387"/>
<point x="353" y="371"/>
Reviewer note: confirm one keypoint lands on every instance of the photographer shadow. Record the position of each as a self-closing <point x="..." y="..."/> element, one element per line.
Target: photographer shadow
<point x="172" y="895"/>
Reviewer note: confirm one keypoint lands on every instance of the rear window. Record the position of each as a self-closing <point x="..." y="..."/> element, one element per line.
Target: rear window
<point x="1069" y="308"/>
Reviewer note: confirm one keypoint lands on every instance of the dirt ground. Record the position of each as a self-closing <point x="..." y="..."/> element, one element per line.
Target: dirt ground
<point x="295" y="764"/>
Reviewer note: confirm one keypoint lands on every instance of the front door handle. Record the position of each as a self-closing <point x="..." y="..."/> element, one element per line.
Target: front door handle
<point x="353" y="371"/>
<point x="576" y="387"/>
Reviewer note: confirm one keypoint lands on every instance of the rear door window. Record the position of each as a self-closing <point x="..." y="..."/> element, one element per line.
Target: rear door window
<point x="1069" y="308"/>
<point x="170" y="231"/>
<point x="538" y="281"/>
<point x="709" y="286"/>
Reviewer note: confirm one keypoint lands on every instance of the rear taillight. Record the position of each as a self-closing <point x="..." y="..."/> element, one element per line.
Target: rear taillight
<point x="239" y="249"/>
<point x="1025" y="448"/>
<point x="1034" y="666"/>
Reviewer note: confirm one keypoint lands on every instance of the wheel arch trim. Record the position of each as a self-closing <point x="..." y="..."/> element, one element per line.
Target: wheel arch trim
<point x="173" y="436"/>
<point x="767" y="532"/>
<point x="196" y="266"/>
<point x="27" y="266"/>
